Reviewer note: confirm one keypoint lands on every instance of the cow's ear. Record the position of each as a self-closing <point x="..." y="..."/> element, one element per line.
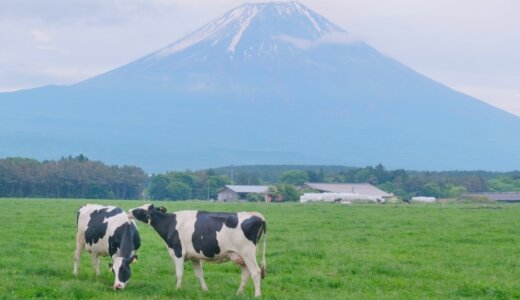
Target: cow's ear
<point x="151" y="207"/>
<point x="162" y="209"/>
<point x="130" y="260"/>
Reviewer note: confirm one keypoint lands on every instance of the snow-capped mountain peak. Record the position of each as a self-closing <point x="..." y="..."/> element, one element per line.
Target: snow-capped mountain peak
<point x="244" y="23"/>
<point x="268" y="83"/>
<point x="296" y="21"/>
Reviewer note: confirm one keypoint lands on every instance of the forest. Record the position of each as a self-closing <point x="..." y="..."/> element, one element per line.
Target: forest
<point x="80" y="177"/>
<point x="69" y="177"/>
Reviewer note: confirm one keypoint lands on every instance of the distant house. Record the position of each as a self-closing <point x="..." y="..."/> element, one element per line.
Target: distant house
<point x="240" y="192"/>
<point x="344" y="192"/>
<point x="501" y="197"/>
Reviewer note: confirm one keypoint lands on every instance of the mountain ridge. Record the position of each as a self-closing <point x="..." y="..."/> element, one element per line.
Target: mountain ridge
<point x="290" y="87"/>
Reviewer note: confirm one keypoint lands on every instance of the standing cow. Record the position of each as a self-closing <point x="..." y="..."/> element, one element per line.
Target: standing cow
<point x="107" y="230"/>
<point x="218" y="237"/>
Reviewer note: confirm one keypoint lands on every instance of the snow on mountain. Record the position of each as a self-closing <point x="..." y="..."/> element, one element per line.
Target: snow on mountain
<point x="230" y="28"/>
<point x="243" y="26"/>
<point x="265" y="83"/>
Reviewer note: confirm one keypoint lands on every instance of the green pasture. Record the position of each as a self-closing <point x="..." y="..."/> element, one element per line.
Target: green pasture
<point x="314" y="251"/>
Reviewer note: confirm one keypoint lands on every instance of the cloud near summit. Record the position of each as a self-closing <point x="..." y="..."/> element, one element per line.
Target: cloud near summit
<point x="330" y="38"/>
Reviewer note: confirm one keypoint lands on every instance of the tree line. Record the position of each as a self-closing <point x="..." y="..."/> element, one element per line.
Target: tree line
<point x="402" y="183"/>
<point x="79" y="177"/>
<point x="70" y="177"/>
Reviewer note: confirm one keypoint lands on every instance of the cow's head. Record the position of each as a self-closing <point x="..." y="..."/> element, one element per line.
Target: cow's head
<point x="121" y="270"/>
<point x="144" y="213"/>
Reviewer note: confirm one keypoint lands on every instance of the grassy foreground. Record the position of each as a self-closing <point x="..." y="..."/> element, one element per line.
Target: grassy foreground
<point x="314" y="251"/>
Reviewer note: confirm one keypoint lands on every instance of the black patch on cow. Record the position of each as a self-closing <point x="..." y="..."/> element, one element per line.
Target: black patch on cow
<point x="125" y="238"/>
<point x="140" y="214"/>
<point x="124" y="272"/>
<point x="207" y="225"/>
<point x="164" y="224"/>
<point x="231" y="221"/>
<point x="96" y="228"/>
<point x="253" y="228"/>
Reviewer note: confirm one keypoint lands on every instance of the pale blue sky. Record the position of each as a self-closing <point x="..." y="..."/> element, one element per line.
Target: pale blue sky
<point x="470" y="45"/>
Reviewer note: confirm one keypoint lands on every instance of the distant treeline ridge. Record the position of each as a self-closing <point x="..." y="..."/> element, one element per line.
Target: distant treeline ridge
<point x="70" y="177"/>
<point x="79" y="177"/>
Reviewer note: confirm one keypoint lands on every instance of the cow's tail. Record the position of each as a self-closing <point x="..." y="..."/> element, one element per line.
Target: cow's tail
<point x="263" y="265"/>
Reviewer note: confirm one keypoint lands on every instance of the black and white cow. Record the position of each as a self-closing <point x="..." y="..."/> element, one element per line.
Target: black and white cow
<point x="217" y="237"/>
<point x="107" y="230"/>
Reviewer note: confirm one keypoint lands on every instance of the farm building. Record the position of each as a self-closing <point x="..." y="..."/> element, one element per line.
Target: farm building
<point x="501" y="197"/>
<point x="423" y="199"/>
<point x="240" y="192"/>
<point x="344" y="192"/>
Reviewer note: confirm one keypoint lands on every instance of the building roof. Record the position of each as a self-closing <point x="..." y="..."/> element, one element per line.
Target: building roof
<point x="258" y="189"/>
<point x="495" y="196"/>
<point x="355" y="188"/>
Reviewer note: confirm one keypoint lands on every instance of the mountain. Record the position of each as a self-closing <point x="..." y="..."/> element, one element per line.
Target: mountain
<point x="266" y="83"/>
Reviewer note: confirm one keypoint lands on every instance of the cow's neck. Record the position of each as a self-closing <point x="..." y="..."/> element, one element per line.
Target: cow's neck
<point x="163" y="223"/>
<point x="129" y="241"/>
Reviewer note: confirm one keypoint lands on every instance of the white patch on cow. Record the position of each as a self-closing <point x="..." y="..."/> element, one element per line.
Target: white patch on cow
<point x="145" y="207"/>
<point x="186" y="226"/>
<point x="232" y="241"/>
<point x="118" y="261"/>
<point x="101" y="247"/>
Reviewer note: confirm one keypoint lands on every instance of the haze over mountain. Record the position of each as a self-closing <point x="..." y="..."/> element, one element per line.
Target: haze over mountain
<point x="267" y="83"/>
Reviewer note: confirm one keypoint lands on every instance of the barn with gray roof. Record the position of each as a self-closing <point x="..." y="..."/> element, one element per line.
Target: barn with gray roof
<point x="240" y="192"/>
<point x="353" y="188"/>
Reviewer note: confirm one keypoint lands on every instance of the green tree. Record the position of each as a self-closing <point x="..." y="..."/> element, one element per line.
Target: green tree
<point x="504" y="184"/>
<point x="432" y="189"/>
<point x="363" y="175"/>
<point x="455" y="191"/>
<point x="247" y="179"/>
<point x="255" y="197"/>
<point x="315" y="176"/>
<point x="185" y="177"/>
<point x="178" y="191"/>
<point x="295" y="177"/>
<point x="288" y="192"/>
<point x="157" y="187"/>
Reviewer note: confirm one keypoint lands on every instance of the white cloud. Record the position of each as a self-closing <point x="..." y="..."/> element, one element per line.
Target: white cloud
<point x="52" y="49"/>
<point x="42" y="36"/>
<point x="331" y="38"/>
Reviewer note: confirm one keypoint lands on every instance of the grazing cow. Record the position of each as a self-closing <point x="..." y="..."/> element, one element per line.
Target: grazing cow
<point x="217" y="237"/>
<point x="107" y="230"/>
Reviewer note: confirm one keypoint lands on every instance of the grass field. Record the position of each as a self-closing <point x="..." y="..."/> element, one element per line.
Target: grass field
<point x="315" y="251"/>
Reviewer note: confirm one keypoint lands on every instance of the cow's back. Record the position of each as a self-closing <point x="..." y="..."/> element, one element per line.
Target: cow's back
<point x="214" y="235"/>
<point x="96" y="223"/>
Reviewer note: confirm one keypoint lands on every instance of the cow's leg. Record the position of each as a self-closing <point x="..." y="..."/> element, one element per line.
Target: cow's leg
<point x="179" y="270"/>
<point x="179" y="266"/>
<point x="80" y="244"/>
<point x="244" y="277"/>
<point x="95" y="263"/>
<point x="254" y="270"/>
<point x="197" y="266"/>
